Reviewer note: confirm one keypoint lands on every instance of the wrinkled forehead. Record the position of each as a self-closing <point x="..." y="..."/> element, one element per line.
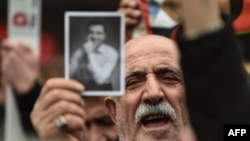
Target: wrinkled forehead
<point x="151" y="44"/>
<point x="94" y="107"/>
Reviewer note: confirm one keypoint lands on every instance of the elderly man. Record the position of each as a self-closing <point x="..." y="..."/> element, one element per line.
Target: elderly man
<point x="152" y="107"/>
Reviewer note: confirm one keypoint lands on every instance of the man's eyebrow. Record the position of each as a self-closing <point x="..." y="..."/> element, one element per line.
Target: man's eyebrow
<point x="168" y="70"/>
<point x="135" y="74"/>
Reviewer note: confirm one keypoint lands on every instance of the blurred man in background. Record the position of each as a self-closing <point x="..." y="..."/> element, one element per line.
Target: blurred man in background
<point x="99" y="125"/>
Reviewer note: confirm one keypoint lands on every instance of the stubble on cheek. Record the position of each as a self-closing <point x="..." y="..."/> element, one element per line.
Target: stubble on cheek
<point x="121" y="121"/>
<point x="127" y="129"/>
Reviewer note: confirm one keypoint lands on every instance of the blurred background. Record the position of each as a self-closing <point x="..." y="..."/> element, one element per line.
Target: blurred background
<point x="52" y="29"/>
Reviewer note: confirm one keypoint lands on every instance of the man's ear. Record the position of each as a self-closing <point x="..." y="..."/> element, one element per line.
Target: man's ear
<point x="111" y="106"/>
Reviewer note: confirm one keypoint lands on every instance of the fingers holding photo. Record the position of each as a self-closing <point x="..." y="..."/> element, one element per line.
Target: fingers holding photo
<point x="59" y="111"/>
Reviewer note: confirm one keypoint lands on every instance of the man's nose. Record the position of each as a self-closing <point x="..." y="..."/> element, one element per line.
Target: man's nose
<point x="96" y="134"/>
<point x="153" y="92"/>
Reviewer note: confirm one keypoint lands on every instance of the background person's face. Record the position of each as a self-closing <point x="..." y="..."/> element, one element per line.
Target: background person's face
<point x="153" y="76"/>
<point x="96" y="34"/>
<point x="99" y="125"/>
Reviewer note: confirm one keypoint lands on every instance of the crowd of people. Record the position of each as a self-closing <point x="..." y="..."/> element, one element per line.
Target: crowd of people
<point x="183" y="83"/>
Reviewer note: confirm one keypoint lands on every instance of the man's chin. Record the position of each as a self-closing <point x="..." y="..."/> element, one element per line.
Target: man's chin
<point x="160" y="133"/>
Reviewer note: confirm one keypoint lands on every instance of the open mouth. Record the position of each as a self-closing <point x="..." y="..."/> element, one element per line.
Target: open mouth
<point x="155" y="120"/>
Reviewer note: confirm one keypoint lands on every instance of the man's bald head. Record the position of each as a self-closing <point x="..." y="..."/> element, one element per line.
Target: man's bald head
<point x="149" y="43"/>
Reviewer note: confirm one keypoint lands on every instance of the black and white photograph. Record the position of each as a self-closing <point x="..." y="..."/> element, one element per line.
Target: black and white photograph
<point x="93" y="51"/>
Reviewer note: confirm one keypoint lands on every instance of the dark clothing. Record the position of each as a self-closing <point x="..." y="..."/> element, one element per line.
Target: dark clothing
<point x="82" y="71"/>
<point x="217" y="85"/>
<point x="245" y="42"/>
<point x="163" y="31"/>
<point x="1" y="121"/>
<point x="25" y="104"/>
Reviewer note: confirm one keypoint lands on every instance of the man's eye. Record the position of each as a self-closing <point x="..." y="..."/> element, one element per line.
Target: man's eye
<point x="88" y="124"/>
<point x="170" y="80"/>
<point x="105" y="122"/>
<point x="131" y="84"/>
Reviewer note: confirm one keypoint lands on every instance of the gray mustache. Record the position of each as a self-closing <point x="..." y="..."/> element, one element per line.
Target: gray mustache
<point x="147" y="109"/>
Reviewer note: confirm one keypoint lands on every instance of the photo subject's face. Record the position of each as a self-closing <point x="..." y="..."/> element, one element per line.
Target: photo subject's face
<point x="153" y="105"/>
<point x="97" y="34"/>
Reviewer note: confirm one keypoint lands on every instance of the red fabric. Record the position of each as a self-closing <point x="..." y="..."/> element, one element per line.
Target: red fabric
<point x="3" y="31"/>
<point x="242" y="23"/>
<point x="48" y="48"/>
<point x="145" y="19"/>
<point x="145" y="10"/>
<point x="173" y="35"/>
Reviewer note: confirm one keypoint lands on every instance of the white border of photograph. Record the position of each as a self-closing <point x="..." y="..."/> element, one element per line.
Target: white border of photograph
<point x="121" y="63"/>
